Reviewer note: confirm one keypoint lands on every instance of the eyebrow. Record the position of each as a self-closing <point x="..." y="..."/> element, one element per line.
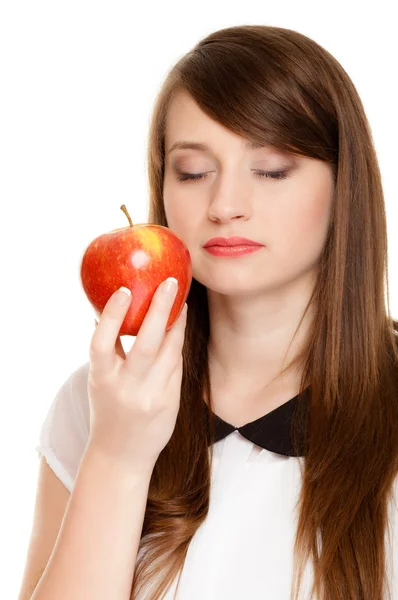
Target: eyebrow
<point x="205" y="148"/>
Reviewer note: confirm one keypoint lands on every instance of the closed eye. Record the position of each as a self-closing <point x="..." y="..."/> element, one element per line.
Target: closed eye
<point x="264" y="174"/>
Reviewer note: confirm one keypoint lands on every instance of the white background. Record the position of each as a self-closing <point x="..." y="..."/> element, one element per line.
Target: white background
<point x="78" y="82"/>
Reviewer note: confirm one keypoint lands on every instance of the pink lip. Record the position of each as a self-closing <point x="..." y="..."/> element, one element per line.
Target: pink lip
<point x="232" y="241"/>
<point x="231" y="251"/>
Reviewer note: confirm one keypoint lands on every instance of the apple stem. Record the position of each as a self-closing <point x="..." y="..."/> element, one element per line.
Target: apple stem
<point x="124" y="209"/>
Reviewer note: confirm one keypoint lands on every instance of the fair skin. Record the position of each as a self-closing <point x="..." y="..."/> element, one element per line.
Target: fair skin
<point x="256" y="300"/>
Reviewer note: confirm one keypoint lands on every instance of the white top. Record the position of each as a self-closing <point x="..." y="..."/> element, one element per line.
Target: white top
<point x="244" y="548"/>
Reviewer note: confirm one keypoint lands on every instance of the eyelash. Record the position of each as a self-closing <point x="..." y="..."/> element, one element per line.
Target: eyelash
<point x="264" y="174"/>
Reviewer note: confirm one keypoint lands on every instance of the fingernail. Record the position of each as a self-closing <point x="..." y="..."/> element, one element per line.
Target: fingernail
<point x="123" y="296"/>
<point x="171" y="285"/>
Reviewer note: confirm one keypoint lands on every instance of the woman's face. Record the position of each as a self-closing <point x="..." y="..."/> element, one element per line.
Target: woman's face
<point x="289" y="216"/>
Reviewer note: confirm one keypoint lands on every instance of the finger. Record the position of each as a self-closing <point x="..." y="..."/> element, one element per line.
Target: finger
<point x="104" y="340"/>
<point x="119" y="349"/>
<point x="169" y="355"/>
<point x="152" y="331"/>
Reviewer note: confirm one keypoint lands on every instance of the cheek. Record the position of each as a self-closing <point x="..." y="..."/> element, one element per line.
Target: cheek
<point x="172" y="209"/>
<point x="302" y="232"/>
<point x="184" y="212"/>
<point x="179" y="219"/>
<point x="174" y="205"/>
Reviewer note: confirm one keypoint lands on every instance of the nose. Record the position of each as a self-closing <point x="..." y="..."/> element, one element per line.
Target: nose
<point x="225" y="216"/>
<point x="228" y="203"/>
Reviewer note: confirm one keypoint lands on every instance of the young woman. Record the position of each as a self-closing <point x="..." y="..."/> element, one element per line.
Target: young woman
<point x="251" y="451"/>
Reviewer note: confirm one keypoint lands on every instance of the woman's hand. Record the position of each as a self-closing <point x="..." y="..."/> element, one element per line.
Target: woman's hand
<point x="134" y="400"/>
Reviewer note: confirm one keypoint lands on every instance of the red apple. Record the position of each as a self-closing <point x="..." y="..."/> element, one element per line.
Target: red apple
<point x="138" y="257"/>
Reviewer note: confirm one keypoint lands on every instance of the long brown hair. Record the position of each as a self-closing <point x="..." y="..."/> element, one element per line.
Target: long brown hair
<point x="279" y="87"/>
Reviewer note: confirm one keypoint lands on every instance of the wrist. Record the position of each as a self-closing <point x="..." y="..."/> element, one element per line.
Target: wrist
<point x="129" y="470"/>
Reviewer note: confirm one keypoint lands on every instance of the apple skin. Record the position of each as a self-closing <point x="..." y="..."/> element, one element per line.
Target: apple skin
<point x="138" y="257"/>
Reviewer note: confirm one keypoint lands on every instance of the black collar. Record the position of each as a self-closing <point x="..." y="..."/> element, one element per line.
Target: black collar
<point x="271" y="431"/>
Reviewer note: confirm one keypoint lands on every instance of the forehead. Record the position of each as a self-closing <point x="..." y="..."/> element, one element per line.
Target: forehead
<point x="187" y="126"/>
<point x="182" y="107"/>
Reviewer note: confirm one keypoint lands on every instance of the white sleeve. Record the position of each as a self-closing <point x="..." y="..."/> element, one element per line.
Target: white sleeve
<point x="65" y="431"/>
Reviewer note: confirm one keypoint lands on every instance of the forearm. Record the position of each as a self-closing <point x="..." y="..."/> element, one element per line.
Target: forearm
<point x="96" y="550"/>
